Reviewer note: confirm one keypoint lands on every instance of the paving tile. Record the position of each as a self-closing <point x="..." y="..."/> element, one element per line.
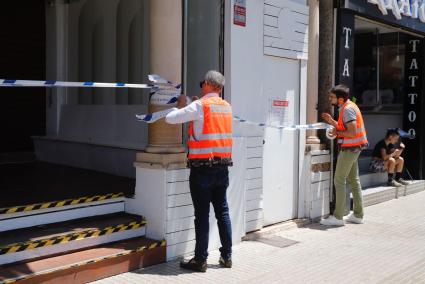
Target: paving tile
<point x="388" y="248"/>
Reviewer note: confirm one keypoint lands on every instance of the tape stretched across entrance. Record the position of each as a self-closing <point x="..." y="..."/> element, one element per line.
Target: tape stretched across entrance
<point x="157" y="82"/>
<point x="33" y="83"/>
<point x="158" y="85"/>
<point x="155" y="116"/>
<point x="163" y="91"/>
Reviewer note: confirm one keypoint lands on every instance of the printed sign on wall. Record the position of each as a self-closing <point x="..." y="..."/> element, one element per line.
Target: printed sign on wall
<point x="281" y="110"/>
<point x="239" y="13"/>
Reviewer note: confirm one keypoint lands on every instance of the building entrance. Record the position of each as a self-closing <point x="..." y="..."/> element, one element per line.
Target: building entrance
<point x="379" y="76"/>
<point x="22" y="49"/>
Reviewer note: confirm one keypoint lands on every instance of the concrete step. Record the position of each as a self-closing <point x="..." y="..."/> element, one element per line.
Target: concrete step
<point x="46" y="240"/>
<point x="89" y="264"/>
<point x="379" y="194"/>
<point x="369" y="179"/>
<point x="24" y="216"/>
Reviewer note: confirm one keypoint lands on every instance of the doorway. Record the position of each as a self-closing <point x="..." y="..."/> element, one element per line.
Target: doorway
<point x="23" y="111"/>
<point x="24" y="179"/>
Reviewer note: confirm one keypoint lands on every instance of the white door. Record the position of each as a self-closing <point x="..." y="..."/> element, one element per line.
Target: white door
<point x="280" y="171"/>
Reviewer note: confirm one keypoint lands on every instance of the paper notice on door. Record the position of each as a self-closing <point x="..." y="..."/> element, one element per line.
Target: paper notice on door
<point x="281" y="110"/>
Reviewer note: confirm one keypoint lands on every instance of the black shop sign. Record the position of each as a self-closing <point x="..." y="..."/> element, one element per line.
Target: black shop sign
<point x="412" y="120"/>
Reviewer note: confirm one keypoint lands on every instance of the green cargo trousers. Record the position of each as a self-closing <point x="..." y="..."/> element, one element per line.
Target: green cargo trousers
<point x="347" y="169"/>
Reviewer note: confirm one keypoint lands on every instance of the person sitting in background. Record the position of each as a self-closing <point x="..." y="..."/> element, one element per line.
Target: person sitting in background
<point x="387" y="157"/>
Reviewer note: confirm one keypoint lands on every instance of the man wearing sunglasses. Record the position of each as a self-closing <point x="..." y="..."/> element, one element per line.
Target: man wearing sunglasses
<point x="210" y="155"/>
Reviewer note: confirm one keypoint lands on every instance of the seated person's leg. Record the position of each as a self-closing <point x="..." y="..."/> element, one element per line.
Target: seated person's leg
<point x="390" y="165"/>
<point x="399" y="171"/>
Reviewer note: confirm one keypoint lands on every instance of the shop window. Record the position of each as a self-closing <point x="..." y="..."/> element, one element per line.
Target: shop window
<point x="379" y="71"/>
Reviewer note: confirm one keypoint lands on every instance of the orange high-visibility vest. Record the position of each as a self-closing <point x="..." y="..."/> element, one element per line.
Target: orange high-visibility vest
<point x="360" y="139"/>
<point x="216" y="139"/>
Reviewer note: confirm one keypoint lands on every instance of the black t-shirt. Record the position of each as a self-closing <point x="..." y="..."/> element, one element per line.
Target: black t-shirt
<point x="381" y="145"/>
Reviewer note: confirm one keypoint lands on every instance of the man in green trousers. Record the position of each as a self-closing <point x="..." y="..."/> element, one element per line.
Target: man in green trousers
<point x="351" y="135"/>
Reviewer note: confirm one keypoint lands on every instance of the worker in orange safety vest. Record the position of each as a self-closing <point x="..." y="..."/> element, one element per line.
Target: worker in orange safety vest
<point x="210" y="154"/>
<point x="351" y="135"/>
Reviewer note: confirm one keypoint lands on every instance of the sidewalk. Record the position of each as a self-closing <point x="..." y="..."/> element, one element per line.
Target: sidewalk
<point x="388" y="248"/>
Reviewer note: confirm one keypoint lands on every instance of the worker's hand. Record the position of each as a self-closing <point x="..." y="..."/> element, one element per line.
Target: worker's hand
<point x="327" y="117"/>
<point x="195" y="98"/>
<point x="181" y="101"/>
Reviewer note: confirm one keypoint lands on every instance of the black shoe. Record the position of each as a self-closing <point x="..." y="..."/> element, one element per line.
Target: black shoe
<point x="195" y="265"/>
<point x="225" y="263"/>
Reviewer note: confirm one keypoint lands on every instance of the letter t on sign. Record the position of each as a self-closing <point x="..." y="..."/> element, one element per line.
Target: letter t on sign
<point x="347" y="32"/>
<point x="413" y="97"/>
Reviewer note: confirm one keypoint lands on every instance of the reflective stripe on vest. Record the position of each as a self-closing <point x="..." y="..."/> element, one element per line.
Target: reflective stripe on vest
<point x="216" y="138"/>
<point x="360" y="139"/>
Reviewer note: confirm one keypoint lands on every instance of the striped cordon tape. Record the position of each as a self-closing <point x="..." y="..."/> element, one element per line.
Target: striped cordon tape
<point x="155" y="116"/>
<point x="52" y="83"/>
<point x="157" y="82"/>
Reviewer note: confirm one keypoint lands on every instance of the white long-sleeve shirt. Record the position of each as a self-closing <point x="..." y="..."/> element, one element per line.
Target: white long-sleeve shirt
<point x="193" y="112"/>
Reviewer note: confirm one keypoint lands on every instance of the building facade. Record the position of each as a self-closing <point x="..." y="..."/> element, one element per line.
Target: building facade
<point x="379" y="55"/>
<point x="261" y="46"/>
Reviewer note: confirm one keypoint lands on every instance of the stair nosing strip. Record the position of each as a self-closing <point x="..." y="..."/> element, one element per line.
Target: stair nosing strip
<point x="59" y="203"/>
<point x="63" y="210"/>
<point x="19" y="247"/>
<point x="149" y="246"/>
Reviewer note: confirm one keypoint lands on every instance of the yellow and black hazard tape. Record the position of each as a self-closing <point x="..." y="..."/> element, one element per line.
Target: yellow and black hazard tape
<point x="18" y="247"/>
<point x="150" y="246"/>
<point x="61" y="203"/>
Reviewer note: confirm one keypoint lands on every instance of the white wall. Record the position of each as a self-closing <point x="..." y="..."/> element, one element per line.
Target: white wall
<point x="253" y="79"/>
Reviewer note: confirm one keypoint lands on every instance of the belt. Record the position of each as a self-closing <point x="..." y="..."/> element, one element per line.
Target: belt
<point x="214" y="162"/>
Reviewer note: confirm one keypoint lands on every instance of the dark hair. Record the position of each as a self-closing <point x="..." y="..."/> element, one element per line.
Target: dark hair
<point x="391" y="132"/>
<point x="341" y="91"/>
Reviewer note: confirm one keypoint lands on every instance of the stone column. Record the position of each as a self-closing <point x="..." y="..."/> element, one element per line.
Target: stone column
<point x="313" y="70"/>
<point x="326" y="52"/>
<point x="166" y="17"/>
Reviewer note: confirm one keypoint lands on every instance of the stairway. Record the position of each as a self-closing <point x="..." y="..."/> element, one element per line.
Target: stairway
<point x="74" y="241"/>
<point x="374" y="185"/>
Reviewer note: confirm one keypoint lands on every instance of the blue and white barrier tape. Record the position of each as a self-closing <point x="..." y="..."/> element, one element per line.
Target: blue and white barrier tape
<point x="152" y="117"/>
<point x="319" y="125"/>
<point x="157" y="83"/>
<point x="50" y="83"/>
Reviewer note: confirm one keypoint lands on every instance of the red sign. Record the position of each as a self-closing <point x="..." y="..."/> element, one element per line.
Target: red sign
<point x="280" y="103"/>
<point x="239" y="13"/>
